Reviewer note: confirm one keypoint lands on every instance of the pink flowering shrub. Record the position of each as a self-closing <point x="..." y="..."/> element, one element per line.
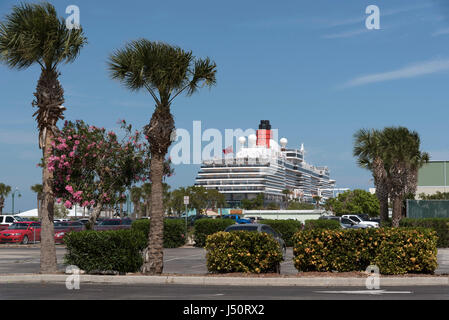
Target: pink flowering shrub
<point x="93" y="166"/>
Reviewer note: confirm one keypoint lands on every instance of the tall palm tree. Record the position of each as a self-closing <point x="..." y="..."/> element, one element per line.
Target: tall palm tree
<point x="136" y="196"/>
<point x="38" y="189"/>
<point x="403" y="158"/>
<point x="34" y="35"/>
<point x="5" y="190"/>
<point x="286" y="193"/>
<point x="165" y="72"/>
<point x="367" y="147"/>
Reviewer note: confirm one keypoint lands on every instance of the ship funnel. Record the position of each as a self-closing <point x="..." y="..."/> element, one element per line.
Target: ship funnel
<point x="264" y="134"/>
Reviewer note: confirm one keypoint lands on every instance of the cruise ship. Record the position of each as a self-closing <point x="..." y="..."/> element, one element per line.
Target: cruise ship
<point x="263" y="166"/>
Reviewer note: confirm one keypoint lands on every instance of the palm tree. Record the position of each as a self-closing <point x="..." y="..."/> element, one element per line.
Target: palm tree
<point x="165" y="72"/>
<point x="367" y="147"/>
<point x="403" y="159"/>
<point x="4" y="192"/>
<point x="317" y="199"/>
<point x="286" y="193"/>
<point x="33" y="34"/>
<point x="38" y="189"/>
<point x="136" y="196"/>
<point x="146" y="194"/>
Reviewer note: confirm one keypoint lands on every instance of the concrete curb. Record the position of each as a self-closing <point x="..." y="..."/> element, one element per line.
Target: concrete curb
<point x="228" y="281"/>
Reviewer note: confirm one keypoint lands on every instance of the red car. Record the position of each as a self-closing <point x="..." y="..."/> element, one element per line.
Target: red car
<point x="21" y="232"/>
<point x="64" y="227"/>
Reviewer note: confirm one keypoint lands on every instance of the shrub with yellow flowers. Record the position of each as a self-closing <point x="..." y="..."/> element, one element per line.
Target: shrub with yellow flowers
<point x="242" y="251"/>
<point x="393" y="250"/>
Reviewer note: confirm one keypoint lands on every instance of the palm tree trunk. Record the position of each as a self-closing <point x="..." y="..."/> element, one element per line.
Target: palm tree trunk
<point x="154" y="254"/>
<point x="397" y="211"/>
<point x="48" y="249"/>
<point x="2" y="204"/>
<point x="382" y="196"/>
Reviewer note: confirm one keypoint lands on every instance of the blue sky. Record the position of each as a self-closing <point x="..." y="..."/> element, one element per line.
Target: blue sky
<point x="310" y="67"/>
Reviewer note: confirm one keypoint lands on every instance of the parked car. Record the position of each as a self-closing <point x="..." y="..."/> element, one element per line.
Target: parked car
<point x="6" y="221"/>
<point x="347" y="223"/>
<point x="237" y="218"/>
<point x="360" y="221"/>
<point x="191" y="219"/>
<point x="21" y="232"/>
<point x="83" y="221"/>
<point x="64" y="227"/>
<point x="258" y="227"/>
<point x="366" y="217"/>
<point x="113" y="224"/>
<point x="329" y="218"/>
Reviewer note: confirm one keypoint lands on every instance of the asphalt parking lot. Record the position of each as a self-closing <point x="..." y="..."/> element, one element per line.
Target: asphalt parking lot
<point x="185" y="260"/>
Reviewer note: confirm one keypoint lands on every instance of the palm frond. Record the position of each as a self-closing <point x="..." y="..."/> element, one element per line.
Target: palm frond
<point x="33" y="33"/>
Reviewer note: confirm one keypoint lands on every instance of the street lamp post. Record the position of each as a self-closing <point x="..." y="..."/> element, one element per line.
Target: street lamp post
<point x="13" y="195"/>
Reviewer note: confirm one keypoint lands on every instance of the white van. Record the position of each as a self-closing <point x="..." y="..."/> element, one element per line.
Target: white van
<point x="6" y="221"/>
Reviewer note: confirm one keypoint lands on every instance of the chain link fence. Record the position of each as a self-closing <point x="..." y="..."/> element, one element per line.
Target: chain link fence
<point x="427" y="208"/>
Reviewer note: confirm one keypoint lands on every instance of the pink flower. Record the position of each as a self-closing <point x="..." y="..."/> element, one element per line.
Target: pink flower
<point x="85" y="203"/>
<point x="69" y="188"/>
<point x="77" y="142"/>
<point x="68" y="204"/>
<point x="72" y="154"/>
<point x="59" y="200"/>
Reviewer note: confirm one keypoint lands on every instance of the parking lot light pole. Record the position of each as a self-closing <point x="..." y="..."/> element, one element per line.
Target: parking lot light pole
<point x="13" y="195"/>
<point x="186" y="202"/>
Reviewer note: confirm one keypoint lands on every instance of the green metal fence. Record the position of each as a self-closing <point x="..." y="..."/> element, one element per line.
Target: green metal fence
<point x="428" y="208"/>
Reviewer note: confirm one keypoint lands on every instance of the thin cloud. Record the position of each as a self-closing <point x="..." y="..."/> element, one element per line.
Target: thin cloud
<point x="383" y="13"/>
<point x="412" y="71"/>
<point x="440" y="32"/>
<point x="346" y="34"/>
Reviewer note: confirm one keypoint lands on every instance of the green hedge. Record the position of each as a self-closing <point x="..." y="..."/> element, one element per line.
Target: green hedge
<point x="439" y="225"/>
<point x="174" y="231"/>
<point x="287" y="228"/>
<point x="206" y="227"/>
<point x="242" y="251"/>
<point x="393" y="250"/>
<point x="94" y="251"/>
<point x="322" y="224"/>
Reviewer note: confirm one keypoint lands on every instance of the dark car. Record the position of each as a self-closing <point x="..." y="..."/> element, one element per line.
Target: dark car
<point x="83" y="221"/>
<point x="329" y="218"/>
<point x="258" y="227"/>
<point x="191" y="219"/>
<point x="113" y="224"/>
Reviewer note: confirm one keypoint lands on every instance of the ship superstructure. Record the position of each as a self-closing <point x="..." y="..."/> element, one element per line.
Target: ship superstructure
<point x="263" y="166"/>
